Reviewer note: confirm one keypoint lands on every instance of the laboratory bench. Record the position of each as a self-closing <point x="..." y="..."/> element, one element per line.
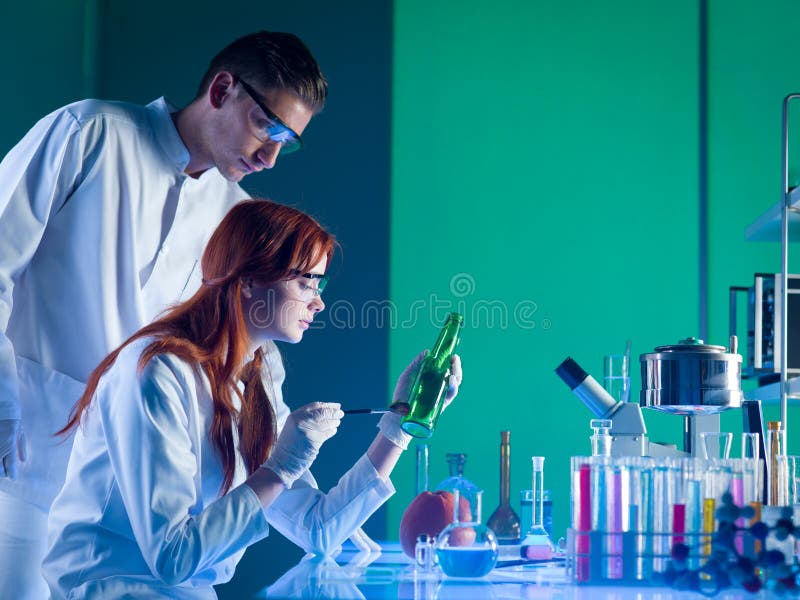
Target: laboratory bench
<point x="390" y="574"/>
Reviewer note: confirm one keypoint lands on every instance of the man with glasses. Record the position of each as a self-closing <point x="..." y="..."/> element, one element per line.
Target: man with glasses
<point x="104" y="210"/>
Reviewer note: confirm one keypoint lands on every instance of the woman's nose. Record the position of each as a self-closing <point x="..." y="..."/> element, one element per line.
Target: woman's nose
<point x="317" y="305"/>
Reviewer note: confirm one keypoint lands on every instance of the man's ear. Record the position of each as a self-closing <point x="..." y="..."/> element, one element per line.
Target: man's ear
<point x="221" y="88"/>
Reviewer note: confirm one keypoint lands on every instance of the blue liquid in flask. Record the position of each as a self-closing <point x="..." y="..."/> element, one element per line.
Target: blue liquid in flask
<point x="466" y="562"/>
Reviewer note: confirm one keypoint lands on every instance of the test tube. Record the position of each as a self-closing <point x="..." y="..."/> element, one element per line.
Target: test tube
<point x="737" y="492"/>
<point x="422" y="468"/>
<point x="581" y="514"/>
<point x="694" y="512"/>
<point x="709" y="505"/>
<point x="613" y="563"/>
<point x="752" y="468"/>
<point x="661" y="516"/>
<point x="644" y="546"/>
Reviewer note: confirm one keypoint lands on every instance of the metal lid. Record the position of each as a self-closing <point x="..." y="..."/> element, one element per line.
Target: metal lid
<point x="692" y="344"/>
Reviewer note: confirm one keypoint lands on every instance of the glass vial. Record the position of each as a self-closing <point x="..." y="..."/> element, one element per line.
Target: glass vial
<point x="601" y="437"/>
<point x="430" y="386"/>
<point x="424" y="555"/>
<point x="774" y="450"/>
<point x="504" y="521"/>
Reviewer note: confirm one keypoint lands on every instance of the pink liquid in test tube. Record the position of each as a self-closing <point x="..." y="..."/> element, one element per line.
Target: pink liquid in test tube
<point x="584" y="522"/>
<point x="678" y="522"/>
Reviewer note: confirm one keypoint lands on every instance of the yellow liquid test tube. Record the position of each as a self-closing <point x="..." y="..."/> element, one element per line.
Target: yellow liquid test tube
<point x="708" y="524"/>
<point x="756" y="518"/>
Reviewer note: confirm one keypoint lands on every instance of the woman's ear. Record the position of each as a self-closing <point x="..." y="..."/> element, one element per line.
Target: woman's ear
<point x="247" y="288"/>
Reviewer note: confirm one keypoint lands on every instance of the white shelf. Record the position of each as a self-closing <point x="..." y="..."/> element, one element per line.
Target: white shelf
<point x="771" y="394"/>
<point x="767" y="227"/>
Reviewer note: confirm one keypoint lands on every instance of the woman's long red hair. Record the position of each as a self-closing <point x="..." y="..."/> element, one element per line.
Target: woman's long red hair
<point x="257" y="239"/>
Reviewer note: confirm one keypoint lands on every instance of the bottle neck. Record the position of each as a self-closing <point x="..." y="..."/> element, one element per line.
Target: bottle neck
<point x="505" y="473"/>
<point x="446" y="344"/>
<point x="537" y="489"/>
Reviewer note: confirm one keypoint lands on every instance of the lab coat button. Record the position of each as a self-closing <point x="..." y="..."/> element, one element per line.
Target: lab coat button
<point x="164" y="250"/>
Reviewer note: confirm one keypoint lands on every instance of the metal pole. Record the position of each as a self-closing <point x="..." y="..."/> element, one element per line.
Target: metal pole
<point x="785" y="205"/>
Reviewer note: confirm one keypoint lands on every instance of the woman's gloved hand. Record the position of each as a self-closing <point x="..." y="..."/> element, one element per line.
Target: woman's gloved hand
<point x="305" y="431"/>
<point x="389" y="423"/>
<point x="12" y="447"/>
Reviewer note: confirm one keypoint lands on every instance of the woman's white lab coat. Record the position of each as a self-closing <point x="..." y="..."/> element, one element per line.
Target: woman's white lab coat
<point x="140" y="511"/>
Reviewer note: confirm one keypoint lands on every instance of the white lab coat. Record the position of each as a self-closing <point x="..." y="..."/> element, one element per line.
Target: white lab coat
<point x="140" y="512"/>
<point x="100" y="230"/>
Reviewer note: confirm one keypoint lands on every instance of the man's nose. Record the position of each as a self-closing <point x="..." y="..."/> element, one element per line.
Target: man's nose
<point x="268" y="154"/>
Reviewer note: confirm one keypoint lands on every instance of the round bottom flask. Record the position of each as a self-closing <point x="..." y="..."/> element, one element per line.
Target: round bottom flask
<point x="466" y="549"/>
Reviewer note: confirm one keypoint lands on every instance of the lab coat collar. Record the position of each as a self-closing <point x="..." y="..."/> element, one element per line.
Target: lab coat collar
<point x="167" y="134"/>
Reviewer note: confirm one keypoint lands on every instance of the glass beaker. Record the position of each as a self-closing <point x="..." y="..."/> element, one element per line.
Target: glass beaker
<point x="456" y="462"/>
<point x="466" y="549"/>
<point x="526" y="500"/>
<point x="752" y="468"/>
<point x="616" y="379"/>
<point x="716" y="444"/>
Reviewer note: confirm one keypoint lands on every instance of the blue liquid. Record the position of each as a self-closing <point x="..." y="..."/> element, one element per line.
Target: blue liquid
<point x="467" y="562"/>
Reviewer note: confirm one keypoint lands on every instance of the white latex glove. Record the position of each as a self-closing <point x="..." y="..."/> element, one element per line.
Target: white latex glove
<point x="12" y="447"/>
<point x="305" y="431"/>
<point x="389" y="423"/>
<point x="363" y="542"/>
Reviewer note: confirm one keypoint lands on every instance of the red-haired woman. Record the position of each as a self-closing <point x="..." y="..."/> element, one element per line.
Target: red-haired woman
<point x="177" y="464"/>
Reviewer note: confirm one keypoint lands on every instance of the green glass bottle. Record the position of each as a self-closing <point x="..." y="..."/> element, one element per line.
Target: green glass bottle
<point x="428" y="392"/>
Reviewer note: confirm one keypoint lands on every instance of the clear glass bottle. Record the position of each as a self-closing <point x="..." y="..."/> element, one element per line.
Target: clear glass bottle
<point x="601" y="437"/>
<point x="424" y="555"/>
<point x="504" y="521"/>
<point x="428" y="391"/>
<point x="774" y="450"/>
<point x="537" y="544"/>
<point x="466" y="549"/>
<point x="456" y="462"/>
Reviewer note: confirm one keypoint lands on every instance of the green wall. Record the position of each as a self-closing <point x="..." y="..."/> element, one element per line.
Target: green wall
<point x="544" y="160"/>
<point x="548" y="153"/>
<point x="753" y="65"/>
